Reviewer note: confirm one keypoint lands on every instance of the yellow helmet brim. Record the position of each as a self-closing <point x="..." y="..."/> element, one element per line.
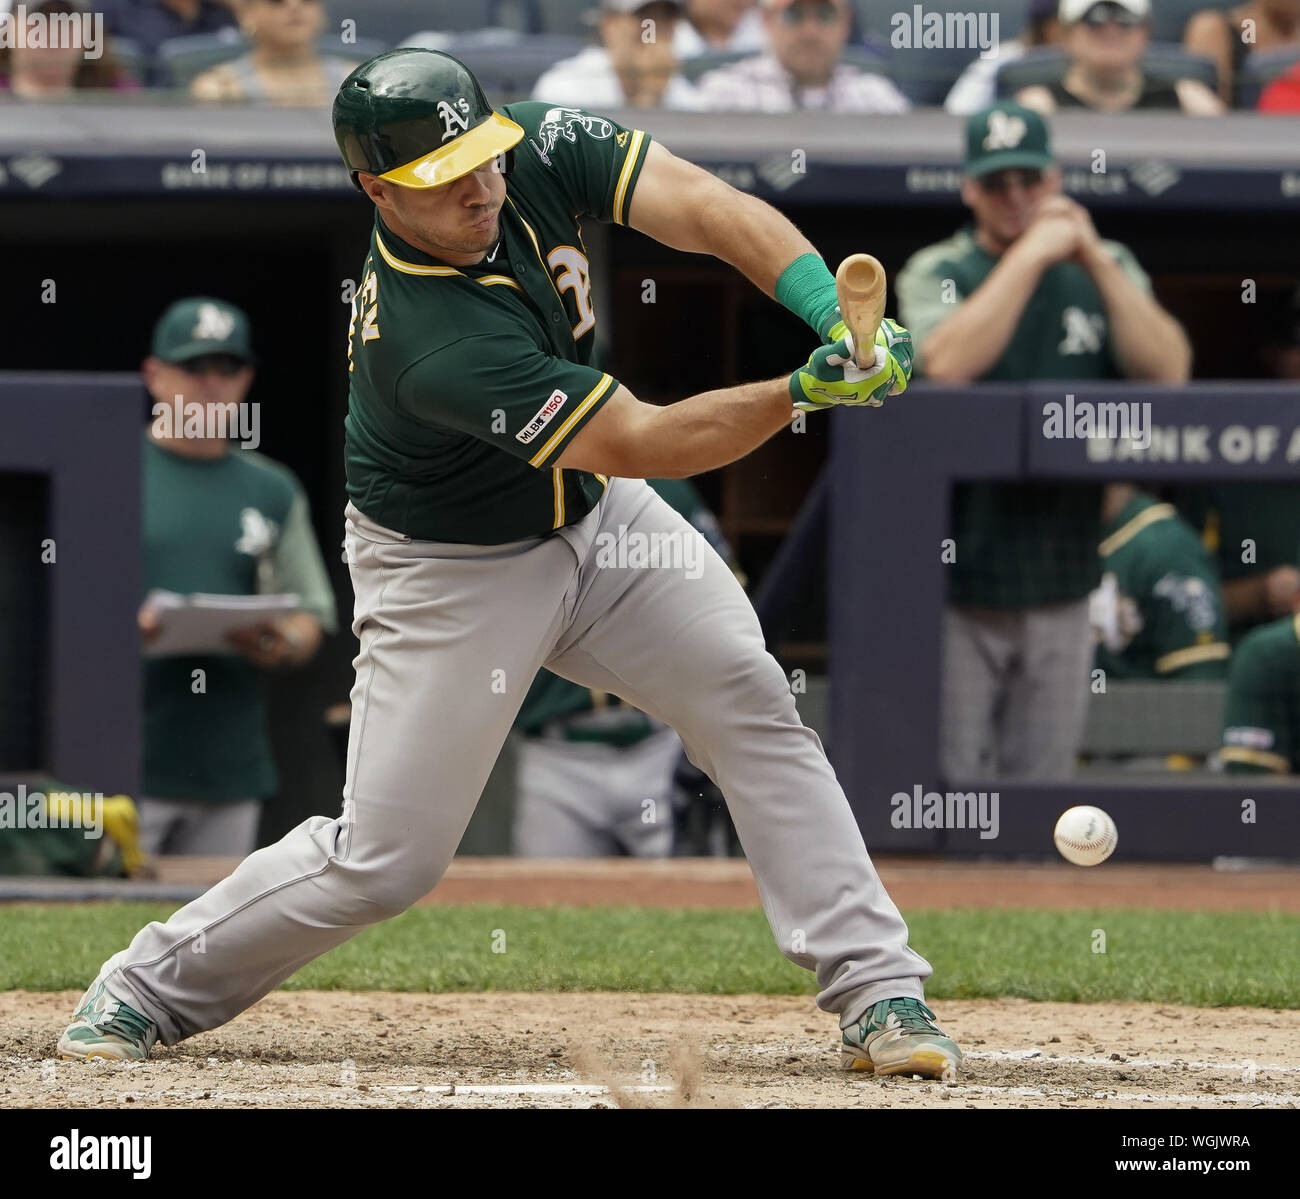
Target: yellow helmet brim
<point x="471" y="150"/>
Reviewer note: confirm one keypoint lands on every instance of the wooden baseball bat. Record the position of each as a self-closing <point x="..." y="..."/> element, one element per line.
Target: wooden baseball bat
<point x="860" y="287"/>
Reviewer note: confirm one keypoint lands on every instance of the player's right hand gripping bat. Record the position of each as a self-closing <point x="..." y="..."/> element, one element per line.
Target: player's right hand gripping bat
<point x="860" y="289"/>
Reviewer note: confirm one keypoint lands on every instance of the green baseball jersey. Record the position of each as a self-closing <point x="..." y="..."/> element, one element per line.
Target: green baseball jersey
<point x="552" y="698"/>
<point x="1020" y="545"/>
<point x="234" y="525"/>
<point x="468" y="382"/>
<point x="1249" y="528"/>
<point x="1158" y="611"/>
<point x="1261" y="715"/>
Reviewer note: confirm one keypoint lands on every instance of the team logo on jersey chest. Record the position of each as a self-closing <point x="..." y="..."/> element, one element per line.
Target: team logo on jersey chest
<point x="543" y="417"/>
<point x="564" y="123"/>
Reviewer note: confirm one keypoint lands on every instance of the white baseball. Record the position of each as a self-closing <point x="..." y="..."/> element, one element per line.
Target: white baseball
<point x="1085" y="835"/>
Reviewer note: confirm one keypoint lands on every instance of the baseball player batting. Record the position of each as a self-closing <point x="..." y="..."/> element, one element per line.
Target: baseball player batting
<point x="490" y="469"/>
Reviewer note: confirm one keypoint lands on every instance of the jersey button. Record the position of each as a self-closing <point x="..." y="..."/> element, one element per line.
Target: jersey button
<point x="555" y="316"/>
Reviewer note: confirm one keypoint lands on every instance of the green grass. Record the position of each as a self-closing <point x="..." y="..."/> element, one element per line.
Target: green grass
<point x="1206" y="959"/>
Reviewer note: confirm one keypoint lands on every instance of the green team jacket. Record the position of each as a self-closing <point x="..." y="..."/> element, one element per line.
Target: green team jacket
<point x="1158" y="611"/>
<point x="1261" y="716"/>
<point x="208" y="524"/>
<point x="466" y="383"/>
<point x="1020" y="544"/>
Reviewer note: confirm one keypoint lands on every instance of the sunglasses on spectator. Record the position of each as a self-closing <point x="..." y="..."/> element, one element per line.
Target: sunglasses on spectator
<point x="823" y="12"/>
<point x="1105" y="14"/>
<point x="999" y="182"/>
<point x="225" y="365"/>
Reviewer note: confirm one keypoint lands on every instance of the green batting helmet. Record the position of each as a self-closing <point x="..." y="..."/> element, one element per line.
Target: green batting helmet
<point x="417" y="118"/>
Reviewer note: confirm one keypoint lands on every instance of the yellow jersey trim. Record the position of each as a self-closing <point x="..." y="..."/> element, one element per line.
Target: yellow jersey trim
<point x="1255" y="757"/>
<point x="1214" y="652"/>
<point x="1144" y="519"/>
<point x="411" y="268"/>
<point x="557" y="480"/>
<point x="625" y="175"/>
<point x="492" y="280"/>
<point x="576" y="415"/>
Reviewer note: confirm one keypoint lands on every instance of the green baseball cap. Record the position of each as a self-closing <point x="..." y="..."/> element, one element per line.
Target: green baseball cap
<point x="201" y="325"/>
<point x="1006" y="135"/>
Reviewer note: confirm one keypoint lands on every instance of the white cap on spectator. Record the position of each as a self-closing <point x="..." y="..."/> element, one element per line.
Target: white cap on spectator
<point x="1073" y="10"/>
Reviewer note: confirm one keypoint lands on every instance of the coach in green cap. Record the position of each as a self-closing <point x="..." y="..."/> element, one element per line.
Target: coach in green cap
<point x="219" y="518"/>
<point x="1027" y="291"/>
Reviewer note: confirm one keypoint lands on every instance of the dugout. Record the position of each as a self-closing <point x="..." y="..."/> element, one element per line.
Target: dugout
<point x="107" y="218"/>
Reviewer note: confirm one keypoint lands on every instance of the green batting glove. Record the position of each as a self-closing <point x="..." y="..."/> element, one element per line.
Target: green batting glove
<point x="832" y="377"/>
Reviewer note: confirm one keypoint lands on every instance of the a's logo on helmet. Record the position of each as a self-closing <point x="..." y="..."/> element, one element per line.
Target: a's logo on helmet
<point x="455" y="122"/>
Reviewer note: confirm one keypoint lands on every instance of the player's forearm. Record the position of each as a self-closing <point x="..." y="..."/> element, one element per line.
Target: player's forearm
<point x="750" y="235"/>
<point x="1246" y="599"/>
<point x="709" y="430"/>
<point x="1149" y="343"/>
<point x="966" y="345"/>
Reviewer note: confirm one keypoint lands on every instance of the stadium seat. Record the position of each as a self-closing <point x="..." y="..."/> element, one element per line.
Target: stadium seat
<point x="180" y="59"/>
<point x="926" y="74"/>
<point x="392" y="21"/>
<point x="701" y="64"/>
<point x="1260" y="69"/>
<point x="508" y="68"/>
<point x="876" y="17"/>
<point x="130" y="58"/>
<point x="1163" y="60"/>
<point x="566" y="18"/>
<point x="1169" y="17"/>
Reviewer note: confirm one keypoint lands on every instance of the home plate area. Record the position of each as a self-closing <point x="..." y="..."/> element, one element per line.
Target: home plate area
<point x="582" y="1050"/>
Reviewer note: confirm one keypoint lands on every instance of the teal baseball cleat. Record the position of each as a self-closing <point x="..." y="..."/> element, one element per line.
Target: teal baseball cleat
<point x="104" y="1026"/>
<point x="900" y="1036"/>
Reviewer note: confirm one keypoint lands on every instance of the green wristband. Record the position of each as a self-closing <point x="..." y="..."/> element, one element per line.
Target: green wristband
<point x="807" y="288"/>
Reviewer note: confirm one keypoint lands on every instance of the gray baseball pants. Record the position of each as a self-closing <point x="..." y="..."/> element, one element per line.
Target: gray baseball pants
<point x="1015" y="691"/>
<point x="450" y="638"/>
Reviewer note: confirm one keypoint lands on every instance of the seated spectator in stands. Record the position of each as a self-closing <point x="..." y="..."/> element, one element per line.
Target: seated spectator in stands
<point x="219" y="519"/>
<point x="1029" y="292"/>
<point x="719" y="27"/>
<point x="976" y="86"/>
<point x="1158" y="613"/>
<point x="802" y="71"/>
<point x="1104" y="41"/>
<point x="282" y="67"/>
<point x="1283" y="94"/>
<point x="51" y="72"/>
<point x="635" y="65"/>
<point x="1261" y="713"/>
<point x="1229" y="37"/>
<point x="149" y="23"/>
